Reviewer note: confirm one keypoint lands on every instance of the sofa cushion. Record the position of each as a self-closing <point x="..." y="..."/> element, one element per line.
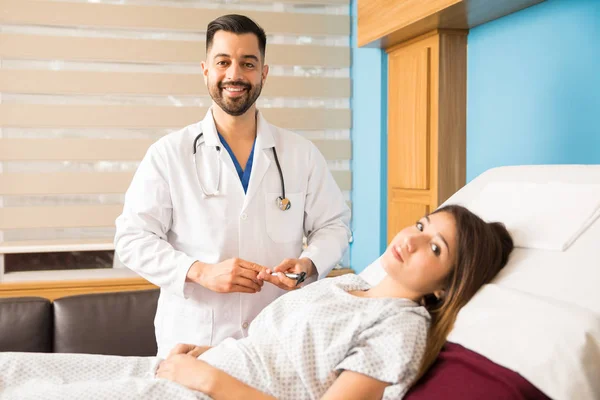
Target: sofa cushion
<point x="119" y="323"/>
<point x="26" y="324"/>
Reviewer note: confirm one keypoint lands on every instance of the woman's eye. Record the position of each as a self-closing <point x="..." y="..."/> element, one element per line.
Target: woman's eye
<point x="419" y="226"/>
<point x="436" y="249"/>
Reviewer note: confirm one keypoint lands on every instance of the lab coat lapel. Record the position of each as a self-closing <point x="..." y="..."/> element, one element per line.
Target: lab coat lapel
<point x="211" y="138"/>
<point x="260" y="165"/>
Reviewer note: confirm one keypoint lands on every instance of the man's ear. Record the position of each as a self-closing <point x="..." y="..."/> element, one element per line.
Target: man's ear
<point x="265" y="72"/>
<point x="204" y="70"/>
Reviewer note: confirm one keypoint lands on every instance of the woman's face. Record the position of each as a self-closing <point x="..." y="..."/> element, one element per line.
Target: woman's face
<point x="420" y="256"/>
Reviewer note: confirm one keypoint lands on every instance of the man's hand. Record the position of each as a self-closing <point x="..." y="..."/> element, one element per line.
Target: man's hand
<point x="290" y="265"/>
<point x="189" y="349"/>
<point x="188" y="371"/>
<point x="233" y="275"/>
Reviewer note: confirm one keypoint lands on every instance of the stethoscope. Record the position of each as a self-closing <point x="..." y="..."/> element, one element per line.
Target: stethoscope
<point x="282" y="202"/>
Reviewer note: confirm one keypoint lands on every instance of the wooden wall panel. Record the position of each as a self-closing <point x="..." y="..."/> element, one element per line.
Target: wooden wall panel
<point x="452" y="140"/>
<point x="403" y="214"/>
<point x="426" y="124"/>
<point x="384" y="23"/>
<point x="408" y="122"/>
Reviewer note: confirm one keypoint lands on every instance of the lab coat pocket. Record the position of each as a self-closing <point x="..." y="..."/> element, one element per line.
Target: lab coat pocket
<point x="191" y="323"/>
<point x="285" y="226"/>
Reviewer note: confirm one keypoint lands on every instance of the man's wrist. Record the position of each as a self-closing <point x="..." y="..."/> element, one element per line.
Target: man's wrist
<point x="195" y="272"/>
<point x="311" y="269"/>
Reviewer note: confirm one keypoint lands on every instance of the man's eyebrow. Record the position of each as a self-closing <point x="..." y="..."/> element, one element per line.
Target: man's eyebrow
<point x="251" y="56"/>
<point x="439" y="235"/>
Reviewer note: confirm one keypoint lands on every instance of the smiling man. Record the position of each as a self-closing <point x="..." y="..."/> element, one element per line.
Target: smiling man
<point x="234" y="80"/>
<point x="216" y="203"/>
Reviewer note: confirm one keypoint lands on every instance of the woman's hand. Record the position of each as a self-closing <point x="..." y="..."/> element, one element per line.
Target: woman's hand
<point x="198" y="375"/>
<point x="189" y="349"/>
<point x="188" y="371"/>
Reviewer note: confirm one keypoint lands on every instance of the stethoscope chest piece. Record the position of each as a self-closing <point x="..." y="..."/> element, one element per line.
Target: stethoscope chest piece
<point x="283" y="203"/>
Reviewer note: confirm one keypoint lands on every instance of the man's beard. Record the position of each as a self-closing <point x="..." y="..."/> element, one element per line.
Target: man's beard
<point x="235" y="106"/>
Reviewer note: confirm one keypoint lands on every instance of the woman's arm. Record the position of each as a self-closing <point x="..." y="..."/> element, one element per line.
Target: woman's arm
<point x="198" y="375"/>
<point x="352" y="385"/>
<point x="227" y="387"/>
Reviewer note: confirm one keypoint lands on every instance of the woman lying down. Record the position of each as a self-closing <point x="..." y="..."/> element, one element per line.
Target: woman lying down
<point x="338" y="338"/>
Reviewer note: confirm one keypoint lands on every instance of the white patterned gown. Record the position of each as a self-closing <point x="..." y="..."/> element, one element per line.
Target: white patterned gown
<point x="295" y="350"/>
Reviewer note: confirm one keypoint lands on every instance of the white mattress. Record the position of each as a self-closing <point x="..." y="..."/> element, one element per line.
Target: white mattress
<point x="541" y="315"/>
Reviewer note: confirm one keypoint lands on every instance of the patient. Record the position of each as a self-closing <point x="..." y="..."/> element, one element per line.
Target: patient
<point x="340" y="337"/>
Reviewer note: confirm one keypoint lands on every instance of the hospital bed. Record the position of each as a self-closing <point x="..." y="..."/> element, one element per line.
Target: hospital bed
<point x="535" y="330"/>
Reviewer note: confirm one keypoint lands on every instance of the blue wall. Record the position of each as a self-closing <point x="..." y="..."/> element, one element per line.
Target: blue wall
<point x="369" y="142"/>
<point x="533" y="87"/>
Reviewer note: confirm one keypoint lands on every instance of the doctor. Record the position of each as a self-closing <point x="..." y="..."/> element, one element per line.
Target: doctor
<point x="215" y="203"/>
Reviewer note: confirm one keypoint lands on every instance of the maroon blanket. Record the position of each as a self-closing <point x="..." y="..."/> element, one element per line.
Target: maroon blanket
<point x="461" y="374"/>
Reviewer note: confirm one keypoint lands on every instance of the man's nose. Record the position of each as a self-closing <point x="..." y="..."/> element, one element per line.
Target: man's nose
<point x="234" y="72"/>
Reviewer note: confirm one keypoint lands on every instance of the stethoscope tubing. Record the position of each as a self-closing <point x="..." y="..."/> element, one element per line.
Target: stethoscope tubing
<point x="281" y="199"/>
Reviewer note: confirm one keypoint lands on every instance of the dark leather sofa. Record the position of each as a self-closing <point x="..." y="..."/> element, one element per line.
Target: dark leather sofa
<point x="104" y="323"/>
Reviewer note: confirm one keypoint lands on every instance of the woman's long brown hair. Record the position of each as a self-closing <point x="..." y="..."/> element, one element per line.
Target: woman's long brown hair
<point x="482" y="250"/>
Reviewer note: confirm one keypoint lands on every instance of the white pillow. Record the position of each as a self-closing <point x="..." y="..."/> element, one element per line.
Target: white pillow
<point x="547" y="216"/>
<point x="374" y="273"/>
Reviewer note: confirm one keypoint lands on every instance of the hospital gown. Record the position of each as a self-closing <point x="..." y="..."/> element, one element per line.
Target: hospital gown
<point x="295" y="350"/>
<point x="299" y="345"/>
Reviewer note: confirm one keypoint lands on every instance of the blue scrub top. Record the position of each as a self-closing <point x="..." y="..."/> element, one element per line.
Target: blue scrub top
<point x="243" y="174"/>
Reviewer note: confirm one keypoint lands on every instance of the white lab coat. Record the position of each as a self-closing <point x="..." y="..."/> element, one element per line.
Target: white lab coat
<point x="167" y="224"/>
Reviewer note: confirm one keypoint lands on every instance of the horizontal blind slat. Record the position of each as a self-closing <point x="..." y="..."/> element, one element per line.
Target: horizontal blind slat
<point x="64" y="183"/>
<point x="136" y="83"/>
<point x="116" y="149"/>
<point x="58" y="183"/>
<point x="59" y="217"/>
<point x="128" y="116"/>
<point x="42" y="47"/>
<point x="123" y="16"/>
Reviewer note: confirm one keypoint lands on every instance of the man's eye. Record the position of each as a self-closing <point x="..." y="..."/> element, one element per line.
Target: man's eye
<point x="419" y="226"/>
<point x="248" y="65"/>
<point x="436" y="249"/>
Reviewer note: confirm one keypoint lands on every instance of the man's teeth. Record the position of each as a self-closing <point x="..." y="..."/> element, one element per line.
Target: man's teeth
<point x="231" y="89"/>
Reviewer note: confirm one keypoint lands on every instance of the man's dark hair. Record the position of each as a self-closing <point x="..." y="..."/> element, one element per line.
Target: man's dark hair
<point x="238" y="24"/>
